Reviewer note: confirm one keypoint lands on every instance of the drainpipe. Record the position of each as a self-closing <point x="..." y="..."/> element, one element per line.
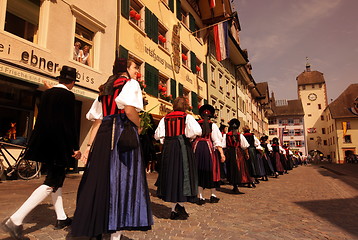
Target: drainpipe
<point x="117" y="27"/>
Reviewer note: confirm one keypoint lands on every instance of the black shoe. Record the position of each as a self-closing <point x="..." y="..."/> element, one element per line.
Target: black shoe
<point x="15" y="231"/>
<point x="174" y="215"/>
<point x="201" y="201"/>
<point x="214" y="199"/>
<point x="181" y="211"/>
<point x="257" y="181"/>
<point x="63" y="223"/>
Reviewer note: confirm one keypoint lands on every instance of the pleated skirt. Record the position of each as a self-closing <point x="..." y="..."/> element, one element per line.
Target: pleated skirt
<point x="113" y="193"/>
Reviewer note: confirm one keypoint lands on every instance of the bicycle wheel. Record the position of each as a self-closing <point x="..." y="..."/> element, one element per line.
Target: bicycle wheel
<point x="27" y="169"/>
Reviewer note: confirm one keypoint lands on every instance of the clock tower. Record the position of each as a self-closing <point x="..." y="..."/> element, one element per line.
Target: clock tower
<point x="312" y="91"/>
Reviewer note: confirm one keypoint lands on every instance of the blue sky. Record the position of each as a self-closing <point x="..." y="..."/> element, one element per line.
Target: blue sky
<point x="280" y="34"/>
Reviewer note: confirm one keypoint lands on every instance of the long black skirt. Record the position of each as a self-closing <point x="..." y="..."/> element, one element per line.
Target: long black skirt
<point x="177" y="179"/>
<point x="113" y="193"/>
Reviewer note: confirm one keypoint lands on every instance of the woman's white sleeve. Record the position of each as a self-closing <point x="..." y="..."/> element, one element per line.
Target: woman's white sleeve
<point x="283" y="151"/>
<point x="131" y="95"/>
<point x="244" y="143"/>
<point x="269" y="147"/>
<point x="257" y="142"/>
<point x="223" y="141"/>
<point x="160" y="131"/>
<point x="216" y="136"/>
<point x="192" y="128"/>
<point x="95" y="111"/>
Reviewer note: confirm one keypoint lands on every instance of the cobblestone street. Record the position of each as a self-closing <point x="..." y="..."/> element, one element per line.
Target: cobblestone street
<point x="313" y="202"/>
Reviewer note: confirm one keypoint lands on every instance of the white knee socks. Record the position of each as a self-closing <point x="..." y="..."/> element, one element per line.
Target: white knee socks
<point x="200" y="190"/>
<point x="213" y="192"/>
<point x="116" y="235"/>
<point x="58" y="204"/>
<point x="35" y="199"/>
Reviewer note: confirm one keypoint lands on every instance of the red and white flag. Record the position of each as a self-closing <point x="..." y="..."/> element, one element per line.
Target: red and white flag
<point x="212" y="3"/>
<point x="221" y="40"/>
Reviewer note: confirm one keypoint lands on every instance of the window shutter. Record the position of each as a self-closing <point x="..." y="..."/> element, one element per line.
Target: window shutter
<point x="178" y="8"/>
<point x="125" y="8"/>
<point x="123" y="52"/>
<point x="180" y="89"/>
<point x="193" y="62"/>
<point x="171" y="5"/>
<point x="205" y="72"/>
<point x="173" y="88"/>
<point x="154" y="28"/>
<point x="194" y="102"/>
<point x="148" y="25"/>
<point x="192" y="25"/>
<point x="151" y="80"/>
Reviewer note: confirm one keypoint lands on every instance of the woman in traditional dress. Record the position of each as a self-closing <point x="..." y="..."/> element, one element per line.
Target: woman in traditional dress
<point x="267" y="149"/>
<point x="208" y="163"/>
<point x="276" y="156"/>
<point x="178" y="177"/>
<point x="236" y="151"/>
<point x="254" y="162"/>
<point x="113" y="193"/>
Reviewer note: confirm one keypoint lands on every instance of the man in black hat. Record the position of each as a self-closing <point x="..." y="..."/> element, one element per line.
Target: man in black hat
<point x="53" y="142"/>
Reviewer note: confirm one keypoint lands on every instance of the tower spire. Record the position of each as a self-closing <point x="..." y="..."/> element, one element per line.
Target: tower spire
<point x="308" y="65"/>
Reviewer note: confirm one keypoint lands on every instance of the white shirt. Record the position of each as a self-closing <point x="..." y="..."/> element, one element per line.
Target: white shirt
<point x="243" y="142"/>
<point x="192" y="128"/>
<point x="216" y="136"/>
<point x="283" y="151"/>
<point x="131" y="95"/>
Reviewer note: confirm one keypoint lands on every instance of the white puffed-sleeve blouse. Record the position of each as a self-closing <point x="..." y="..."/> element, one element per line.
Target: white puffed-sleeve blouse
<point x="243" y="142"/>
<point x="131" y="95"/>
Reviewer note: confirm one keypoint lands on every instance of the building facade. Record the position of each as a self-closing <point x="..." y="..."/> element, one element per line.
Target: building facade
<point x="341" y="126"/>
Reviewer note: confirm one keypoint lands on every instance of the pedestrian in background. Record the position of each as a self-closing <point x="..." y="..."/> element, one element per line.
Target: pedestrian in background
<point x="113" y="193"/>
<point x="54" y="142"/>
<point x="178" y="177"/>
<point x="208" y="162"/>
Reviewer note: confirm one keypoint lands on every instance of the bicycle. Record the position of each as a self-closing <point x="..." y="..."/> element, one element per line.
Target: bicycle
<point x="25" y="169"/>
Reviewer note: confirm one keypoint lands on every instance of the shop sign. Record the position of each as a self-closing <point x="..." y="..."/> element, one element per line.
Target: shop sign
<point x="39" y="80"/>
<point x="151" y="53"/>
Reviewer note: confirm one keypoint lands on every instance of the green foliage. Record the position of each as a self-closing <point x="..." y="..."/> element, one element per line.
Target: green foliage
<point x="145" y="121"/>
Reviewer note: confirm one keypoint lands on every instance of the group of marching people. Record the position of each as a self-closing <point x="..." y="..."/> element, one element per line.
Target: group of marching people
<point x="197" y="155"/>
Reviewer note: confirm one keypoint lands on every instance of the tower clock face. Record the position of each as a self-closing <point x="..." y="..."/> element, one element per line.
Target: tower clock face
<point x="312" y="96"/>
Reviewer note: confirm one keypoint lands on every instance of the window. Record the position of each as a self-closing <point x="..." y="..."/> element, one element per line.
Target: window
<point x="319" y="106"/>
<point x="272" y="131"/>
<point x="308" y="104"/>
<point x="184" y="17"/>
<point x="322" y="117"/>
<point x="221" y="112"/>
<point x="272" y="121"/>
<point x="298" y="143"/>
<point x="320" y="85"/>
<point x="285" y="132"/>
<point x="323" y="131"/>
<point x="297" y="132"/>
<point x="296" y="121"/>
<point x="347" y="139"/>
<point x="22" y="18"/>
<point x="286" y="143"/>
<point x="164" y="88"/>
<point x="162" y="36"/>
<point x="311" y="139"/>
<point x="199" y="68"/>
<point x="290" y="121"/>
<point x="227" y="87"/>
<point x="136" y="11"/>
<point x="228" y="114"/>
<point x="312" y="85"/>
<point x="284" y="122"/>
<point x="303" y="87"/>
<point x="213" y="82"/>
<point x="291" y="132"/>
<point x="221" y="81"/>
<point x="292" y="143"/>
<point x="325" y="142"/>
<point x="185" y="55"/>
<point x="233" y="93"/>
<point x="83" y="41"/>
<point x="310" y="115"/>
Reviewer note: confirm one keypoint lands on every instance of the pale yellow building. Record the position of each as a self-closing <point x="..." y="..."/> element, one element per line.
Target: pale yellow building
<point x="341" y="126"/>
<point x="36" y="39"/>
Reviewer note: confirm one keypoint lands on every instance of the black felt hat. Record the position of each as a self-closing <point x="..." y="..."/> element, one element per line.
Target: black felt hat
<point x="235" y="123"/>
<point x="68" y="73"/>
<point x="207" y="109"/>
<point x="264" y="138"/>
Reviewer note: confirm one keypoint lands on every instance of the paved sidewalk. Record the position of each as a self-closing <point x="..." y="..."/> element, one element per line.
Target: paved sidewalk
<point x="311" y="202"/>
